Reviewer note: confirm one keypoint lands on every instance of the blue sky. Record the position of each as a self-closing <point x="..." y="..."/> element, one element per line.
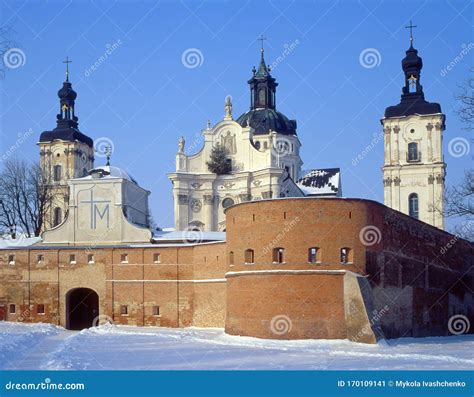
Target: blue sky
<point x="143" y="97"/>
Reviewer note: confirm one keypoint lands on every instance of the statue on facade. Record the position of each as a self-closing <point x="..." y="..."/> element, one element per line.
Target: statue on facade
<point x="228" y="108"/>
<point x="181" y="143"/>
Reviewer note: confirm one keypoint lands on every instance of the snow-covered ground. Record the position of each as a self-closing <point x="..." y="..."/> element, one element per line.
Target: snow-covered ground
<point x="45" y="346"/>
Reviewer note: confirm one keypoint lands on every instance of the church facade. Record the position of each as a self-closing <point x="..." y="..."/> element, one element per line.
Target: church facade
<point x="296" y="260"/>
<point x="263" y="153"/>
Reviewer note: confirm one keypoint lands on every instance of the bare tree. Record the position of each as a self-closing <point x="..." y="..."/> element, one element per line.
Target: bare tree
<point x="466" y="101"/>
<point x="459" y="199"/>
<point x="26" y="197"/>
<point x="459" y="202"/>
<point x="5" y="44"/>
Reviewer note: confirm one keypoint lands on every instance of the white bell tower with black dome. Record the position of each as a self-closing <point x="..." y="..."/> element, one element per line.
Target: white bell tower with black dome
<point x="414" y="169"/>
<point x="65" y="153"/>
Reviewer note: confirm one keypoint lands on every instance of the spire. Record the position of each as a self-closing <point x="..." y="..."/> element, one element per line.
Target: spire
<point x="413" y="98"/>
<point x="67" y="96"/>
<point x="411" y="26"/>
<point x="67" y="62"/>
<point x="67" y="123"/>
<point x="412" y="65"/>
<point x="262" y="84"/>
<point x="262" y="68"/>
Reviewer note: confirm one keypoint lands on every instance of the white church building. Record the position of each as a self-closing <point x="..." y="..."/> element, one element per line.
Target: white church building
<point x="262" y="150"/>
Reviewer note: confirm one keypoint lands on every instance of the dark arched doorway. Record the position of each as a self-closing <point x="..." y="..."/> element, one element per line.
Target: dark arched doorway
<point x="82" y="307"/>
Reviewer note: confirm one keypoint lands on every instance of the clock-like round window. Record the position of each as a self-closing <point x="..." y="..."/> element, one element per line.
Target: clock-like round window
<point x="227" y="202"/>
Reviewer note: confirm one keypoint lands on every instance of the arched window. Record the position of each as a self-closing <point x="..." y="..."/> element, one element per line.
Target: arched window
<point x="413" y="151"/>
<point x="413" y="205"/>
<point x="249" y="256"/>
<point x="57" y="173"/>
<point x="227" y="202"/>
<point x="314" y="255"/>
<point x="261" y="96"/>
<point x="231" y="258"/>
<point x="58" y="216"/>
<point x="346" y="255"/>
<point x="278" y="255"/>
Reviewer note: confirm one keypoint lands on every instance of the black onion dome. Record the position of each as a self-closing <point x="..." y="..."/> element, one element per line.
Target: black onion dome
<point x="413" y="99"/>
<point x="262" y="121"/>
<point x="412" y="60"/>
<point x="66" y="92"/>
<point x="67" y="122"/>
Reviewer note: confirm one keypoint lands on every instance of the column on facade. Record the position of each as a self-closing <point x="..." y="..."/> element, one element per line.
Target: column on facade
<point x="429" y="128"/>
<point x="208" y="211"/>
<point x="396" y="157"/>
<point x="181" y="212"/>
<point x="388" y="149"/>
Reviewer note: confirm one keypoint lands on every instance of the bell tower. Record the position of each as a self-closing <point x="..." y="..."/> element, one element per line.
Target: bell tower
<point x="262" y="85"/>
<point x="414" y="169"/>
<point x="65" y="153"/>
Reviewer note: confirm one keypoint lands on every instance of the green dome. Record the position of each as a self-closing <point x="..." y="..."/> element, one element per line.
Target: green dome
<point x="262" y="121"/>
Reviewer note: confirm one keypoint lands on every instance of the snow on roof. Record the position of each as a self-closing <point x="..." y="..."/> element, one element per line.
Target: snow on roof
<point x="19" y="242"/>
<point x="189" y="236"/>
<point x="110" y="171"/>
<point x="320" y="182"/>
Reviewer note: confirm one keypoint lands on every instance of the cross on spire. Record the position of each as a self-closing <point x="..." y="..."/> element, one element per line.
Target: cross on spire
<point x="108" y="153"/>
<point x="411" y="26"/>
<point x="67" y="62"/>
<point x="261" y="38"/>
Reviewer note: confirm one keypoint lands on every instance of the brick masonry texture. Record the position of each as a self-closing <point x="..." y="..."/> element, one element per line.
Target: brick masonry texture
<point x="418" y="276"/>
